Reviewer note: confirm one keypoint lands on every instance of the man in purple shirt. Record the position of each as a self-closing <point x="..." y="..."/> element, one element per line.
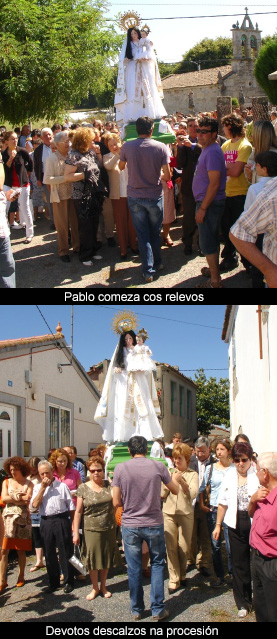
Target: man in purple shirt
<point x="263" y="538"/>
<point x="137" y="487"/>
<point x="145" y="158"/>
<point x="208" y="188"/>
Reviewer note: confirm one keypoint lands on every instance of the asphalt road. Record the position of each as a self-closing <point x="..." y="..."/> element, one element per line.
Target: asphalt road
<point x="198" y="602"/>
<point x="38" y="265"/>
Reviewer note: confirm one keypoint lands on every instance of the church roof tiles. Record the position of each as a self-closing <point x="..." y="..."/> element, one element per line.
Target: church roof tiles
<point x="195" y="78"/>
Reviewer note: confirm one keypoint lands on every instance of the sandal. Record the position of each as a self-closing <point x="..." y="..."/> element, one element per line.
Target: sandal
<point x="4" y="586"/>
<point x="20" y="584"/>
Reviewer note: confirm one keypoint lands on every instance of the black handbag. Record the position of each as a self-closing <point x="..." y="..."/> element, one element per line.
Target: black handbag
<point x="207" y="491"/>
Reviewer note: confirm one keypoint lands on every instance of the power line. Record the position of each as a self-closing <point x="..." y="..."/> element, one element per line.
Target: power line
<point x="56" y="344"/>
<point x="227" y="15"/>
<point x="45" y="321"/>
<point x="166" y="319"/>
<point x="181" y="4"/>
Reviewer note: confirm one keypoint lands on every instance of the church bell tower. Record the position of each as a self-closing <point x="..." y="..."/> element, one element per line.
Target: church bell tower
<point x="246" y="44"/>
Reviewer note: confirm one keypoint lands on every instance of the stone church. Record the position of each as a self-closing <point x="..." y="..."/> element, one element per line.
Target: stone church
<point x="198" y="91"/>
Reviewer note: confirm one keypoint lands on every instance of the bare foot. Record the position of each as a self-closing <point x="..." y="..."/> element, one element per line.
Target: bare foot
<point x="92" y="594"/>
<point x="37" y="567"/>
<point x="106" y="593"/>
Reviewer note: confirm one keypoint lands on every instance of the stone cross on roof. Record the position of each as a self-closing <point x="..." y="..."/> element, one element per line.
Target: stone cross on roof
<point x="247" y="23"/>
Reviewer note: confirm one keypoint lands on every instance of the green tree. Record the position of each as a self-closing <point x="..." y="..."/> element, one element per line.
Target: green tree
<point x="212" y="401"/>
<point x="103" y="95"/>
<point x="210" y="53"/>
<point x="266" y="63"/>
<point x="167" y="68"/>
<point x="52" y="53"/>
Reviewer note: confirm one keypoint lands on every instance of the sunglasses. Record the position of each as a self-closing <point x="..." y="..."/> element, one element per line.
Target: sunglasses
<point x="204" y="131"/>
<point x="240" y="459"/>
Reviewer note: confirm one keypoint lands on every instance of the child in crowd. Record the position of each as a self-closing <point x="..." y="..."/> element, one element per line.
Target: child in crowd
<point x="266" y="169"/>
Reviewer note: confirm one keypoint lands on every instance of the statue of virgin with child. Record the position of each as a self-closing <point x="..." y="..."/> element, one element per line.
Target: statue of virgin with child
<point x="129" y="403"/>
<point x="139" y="89"/>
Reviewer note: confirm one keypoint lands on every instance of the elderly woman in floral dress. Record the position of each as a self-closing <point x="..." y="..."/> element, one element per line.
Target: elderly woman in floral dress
<point x="16" y="494"/>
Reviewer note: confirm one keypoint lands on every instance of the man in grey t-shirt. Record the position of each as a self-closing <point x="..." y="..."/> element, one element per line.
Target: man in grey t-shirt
<point x="145" y="158"/>
<point x="137" y="487"/>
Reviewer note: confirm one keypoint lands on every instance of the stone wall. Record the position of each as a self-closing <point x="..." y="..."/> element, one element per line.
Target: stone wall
<point x="178" y="99"/>
<point x="205" y="97"/>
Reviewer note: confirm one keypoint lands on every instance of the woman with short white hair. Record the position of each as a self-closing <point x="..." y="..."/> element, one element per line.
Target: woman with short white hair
<point x="65" y="216"/>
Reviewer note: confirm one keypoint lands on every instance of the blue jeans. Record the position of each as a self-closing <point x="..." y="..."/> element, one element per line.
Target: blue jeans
<point x="216" y="546"/>
<point x="147" y="216"/>
<point x="7" y="266"/>
<point x="210" y="227"/>
<point x="132" y="539"/>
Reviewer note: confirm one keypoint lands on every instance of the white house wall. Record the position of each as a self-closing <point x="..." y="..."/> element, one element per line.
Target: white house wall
<point x="68" y="388"/>
<point x="253" y="381"/>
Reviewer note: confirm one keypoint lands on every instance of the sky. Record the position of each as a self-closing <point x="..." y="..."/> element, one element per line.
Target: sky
<point x="179" y="335"/>
<point x="172" y="38"/>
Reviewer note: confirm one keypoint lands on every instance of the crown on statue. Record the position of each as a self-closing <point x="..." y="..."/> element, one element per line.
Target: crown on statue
<point x="124" y="321"/>
<point x="129" y="20"/>
<point x="145" y="28"/>
<point x="143" y="333"/>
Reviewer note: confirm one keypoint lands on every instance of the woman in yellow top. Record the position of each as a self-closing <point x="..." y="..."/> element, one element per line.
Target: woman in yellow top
<point x="178" y="515"/>
<point x="236" y="150"/>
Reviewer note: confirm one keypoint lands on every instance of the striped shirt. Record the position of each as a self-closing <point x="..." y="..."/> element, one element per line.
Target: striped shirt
<point x="261" y="217"/>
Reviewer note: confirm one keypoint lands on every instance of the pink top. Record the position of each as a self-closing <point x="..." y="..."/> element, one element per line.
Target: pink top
<point x="71" y="478"/>
<point x="263" y="535"/>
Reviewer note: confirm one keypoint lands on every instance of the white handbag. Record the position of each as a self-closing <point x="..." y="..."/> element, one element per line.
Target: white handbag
<point x="76" y="562"/>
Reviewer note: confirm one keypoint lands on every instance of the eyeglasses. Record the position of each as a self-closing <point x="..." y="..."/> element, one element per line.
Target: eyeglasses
<point x="240" y="459"/>
<point x="96" y="470"/>
<point x="204" y="131"/>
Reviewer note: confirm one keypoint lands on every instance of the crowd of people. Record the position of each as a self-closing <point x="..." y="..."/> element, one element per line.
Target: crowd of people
<point x="174" y="511"/>
<point x="89" y="184"/>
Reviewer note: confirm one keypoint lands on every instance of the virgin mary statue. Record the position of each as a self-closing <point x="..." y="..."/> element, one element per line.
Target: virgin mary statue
<point x="129" y="404"/>
<point x="139" y="89"/>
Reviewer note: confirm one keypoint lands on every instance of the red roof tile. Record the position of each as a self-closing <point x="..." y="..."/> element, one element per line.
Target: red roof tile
<point x="195" y="78"/>
<point x="22" y="341"/>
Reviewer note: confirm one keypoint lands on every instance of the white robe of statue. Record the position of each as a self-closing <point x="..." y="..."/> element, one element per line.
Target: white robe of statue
<point x="139" y="89"/>
<point x="128" y="405"/>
